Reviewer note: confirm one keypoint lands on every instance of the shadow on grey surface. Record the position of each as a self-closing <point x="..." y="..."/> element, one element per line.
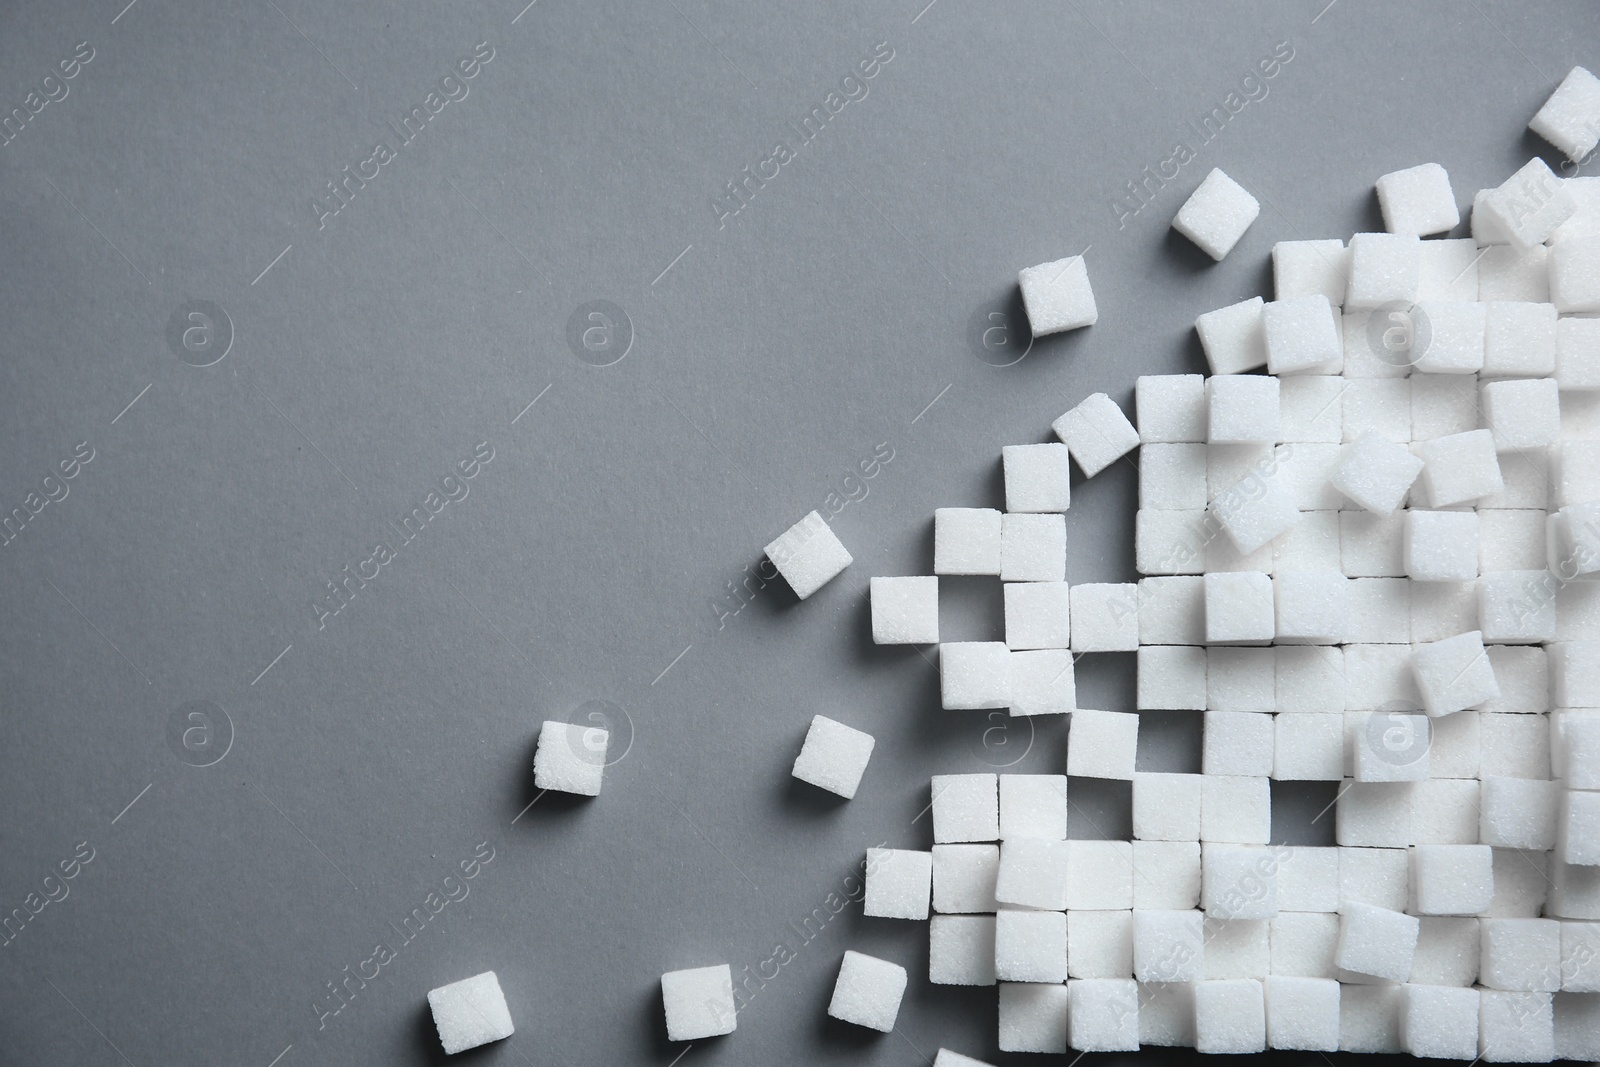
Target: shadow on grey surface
<point x="1099" y="809"/>
<point x="807" y="799"/>
<point x="971" y="608"/>
<point x="553" y="802"/>
<point x="1303" y="813"/>
<point x="1184" y="256"/>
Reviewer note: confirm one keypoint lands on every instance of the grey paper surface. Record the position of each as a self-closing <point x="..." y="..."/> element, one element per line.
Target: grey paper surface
<point x="359" y="360"/>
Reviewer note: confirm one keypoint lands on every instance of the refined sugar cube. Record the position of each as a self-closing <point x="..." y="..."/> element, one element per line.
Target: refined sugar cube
<point x="1033" y="806"/>
<point x="1033" y="1017"/>
<point x="1313" y="607"/>
<point x="1310" y="680"/>
<point x="1375" y="941"/>
<point x="1448" y="270"/>
<point x="1030" y="946"/>
<point x="1528" y="206"/>
<point x="1574" y="892"/>
<point x="1172" y="610"/>
<point x="1308" y="748"/>
<point x="1232" y="337"/>
<point x="1308" y="879"/>
<point x="1042" y="682"/>
<point x="1580" y="957"/>
<point x="1301" y="335"/>
<point x="1570" y="118"/>
<point x="1037" y="477"/>
<point x="1241" y="679"/>
<point x="1237" y="743"/>
<point x="1417" y="200"/>
<point x="1235" y="810"/>
<point x="1575" y="275"/>
<point x="1575" y="742"/>
<point x="1454" y="674"/>
<point x="1172" y="477"/>
<point x="1239" y="882"/>
<point x="699" y="1002"/>
<point x="1166" y="875"/>
<point x="1370" y="545"/>
<point x="961" y="950"/>
<point x="1452" y="879"/>
<point x="1521" y="886"/>
<point x="1577" y="1026"/>
<point x="905" y="611"/>
<point x="1519" y="339"/>
<point x="1369" y="1018"/>
<point x="1384" y="267"/>
<point x="1238" y="948"/>
<point x="868" y="991"/>
<point x="1033" y="874"/>
<point x="1516" y="1027"/>
<point x="1168" y="946"/>
<point x="571" y="758"/>
<point x="1302" y="268"/>
<point x="1242" y="408"/>
<point x="1105" y="617"/>
<point x="966" y="541"/>
<point x="975" y="674"/>
<point x="1230" y="1016"/>
<point x="1519" y="813"/>
<point x="1376" y="876"/>
<point x="1311" y="409"/>
<point x="808" y="555"/>
<point x="1304" y="944"/>
<point x="898" y="883"/>
<point x="966" y="807"/>
<point x="964" y="878"/>
<point x="1445" y="811"/>
<point x="1574" y="548"/>
<point x="1575" y="472"/>
<point x="1313" y="543"/>
<point x="1033" y="548"/>
<point x="1448" y="339"/>
<point x="1447" y="952"/>
<point x="1302" y="1013"/>
<point x="1171" y="677"/>
<point x="1038" y="615"/>
<point x="1166" y="807"/>
<point x="1102" y="744"/>
<point x="1578" y="828"/>
<point x="1057" y="296"/>
<point x="1522" y="413"/>
<point x="1170" y="542"/>
<point x="1254" y="512"/>
<point x="1371" y="350"/>
<point x="1578" y="353"/>
<point x="1455" y="740"/>
<point x="833" y="757"/>
<point x="946" y="1058"/>
<point x="1514" y="607"/>
<point x="1103" y="1014"/>
<point x="1166" y="1014"/>
<point x="1380" y="676"/>
<point x="1390" y="746"/>
<point x="1376" y="474"/>
<point x="1440" y="610"/>
<point x="1380" y="611"/>
<point x="1439" y="1022"/>
<point x="1099" y="944"/>
<point x="1170" y="407"/>
<point x="1097" y="433"/>
<point x="470" y="1013"/>
<point x="1520" y="955"/>
<point x="1239" y="607"/>
<point x="1100" y="875"/>
<point x="1377" y="405"/>
<point x="1514" y="746"/>
<point x="1527" y="480"/>
<point x="1459" y="468"/>
<point x="1374" y="814"/>
<point x="1441" y="546"/>
<point x="1229" y="466"/>
<point x="1216" y="214"/>
<point x="1511" y="539"/>
<point x="1443" y="404"/>
<point x="1509" y="273"/>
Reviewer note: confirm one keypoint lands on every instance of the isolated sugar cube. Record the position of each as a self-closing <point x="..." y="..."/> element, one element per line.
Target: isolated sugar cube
<point x="1454" y="674"/>
<point x="470" y="1013"/>
<point x="1516" y="1027"/>
<point x="1171" y="677"/>
<point x="1242" y="408"/>
<point x="1166" y="806"/>
<point x="1100" y="875"/>
<point x="1439" y="1022"/>
<point x="964" y="878"/>
<point x="1241" y="679"/>
<point x="898" y="883"/>
<point x="1452" y="879"/>
<point x="1170" y="408"/>
<point x="1037" y="477"/>
<point x="571" y="758"/>
<point x="1232" y="337"/>
<point x="1570" y="118"/>
<point x="1519" y="339"/>
<point x="868" y="991"/>
<point x="1418" y="200"/>
<point x="808" y="555"/>
<point x="1459" y="468"/>
<point x="1519" y="813"/>
<point x="1105" y="617"/>
<point x="905" y="611"/>
<point x="1030" y="946"/>
<point x="1230" y="1016"/>
<point x="1033" y="548"/>
<point x="1216" y="214"/>
<point x="1102" y="744"/>
<point x="1033" y="1017"/>
<point x="834" y="756"/>
<point x="1033" y="874"/>
<point x="1172" y="477"/>
<point x="1376" y="941"/>
<point x="1097" y="433"/>
<point x="961" y="950"/>
<point x="1234" y="809"/>
<point x="1301" y="268"/>
<point x="1528" y="206"/>
<point x="699" y="1002"/>
<point x="1033" y="806"/>
<point x="1237" y="743"/>
<point x="1313" y="606"/>
<point x="1520" y="955"/>
<point x="1042" y="682"/>
<point x="974" y="674"/>
<point x="1057" y="296"/>
<point x="1376" y="473"/>
<point x="966" y="807"/>
<point x="1522" y="413"/>
<point x="1168" y="945"/>
<point x="1166" y="875"/>
<point x="1384" y="268"/>
<point x="1099" y="944"/>
<point x="966" y="541"/>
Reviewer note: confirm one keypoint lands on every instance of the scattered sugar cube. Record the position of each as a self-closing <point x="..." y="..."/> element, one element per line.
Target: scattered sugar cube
<point x="966" y="807"/>
<point x="961" y="950"/>
<point x="1448" y="270"/>
<point x="1520" y="955"/>
<point x="1237" y="743"/>
<point x="1310" y="680"/>
<point x="1097" y="433"/>
<point x="1376" y="473"/>
<point x="1313" y="607"/>
<point x="1105" y="617"/>
<point x="808" y="555"/>
<point x="1578" y="353"/>
<point x="1099" y="944"/>
<point x="1369" y="1018"/>
<point x="470" y="1013"/>
<point x="1230" y="1016"/>
<point x="1459" y="468"/>
<point x="1523" y="413"/>
<point x="1030" y="946"/>
<point x="1167" y="945"/>
<point x="966" y="541"/>
<point x="699" y="1002"/>
<point x="1516" y="1027"/>
<point x="571" y="758"/>
<point x="1033" y="874"/>
<point x="1033" y="548"/>
<point x="905" y="611"/>
<point x="1100" y="875"/>
<point x="1057" y="296"/>
<point x="1509" y="273"/>
<point x="1374" y="814"/>
<point x="1242" y="408"/>
<point x="1528" y="206"/>
<point x="899" y="882"/>
<point x="1103" y="1014"/>
<point x="1170" y="407"/>
<point x="1376" y="876"/>
<point x="1578" y="828"/>
<point x="1033" y="1017"/>
<point x="1235" y="810"/>
<point x="1449" y="337"/>
<point x="1172" y="610"/>
<point x="1575" y="275"/>
<point x="1042" y="682"/>
<point x="1238" y="881"/>
<point x="1171" y="677"/>
<point x="1376" y="941"/>
<point x="1447" y="952"/>
<point x="1514" y="607"/>
<point x="964" y="878"/>
<point x="1170" y="542"/>
<point x="1519" y="339"/>
<point x="1445" y="811"/>
<point x="1033" y="806"/>
<point x="868" y="991"/>
<point x="1101" y="744"/>
<point x="1037" y="477"/>
<point x="1303" y="268"/>
<point x="834" y="756"/>
<point x="1417" y="200"/>
<point x="1301" y="336"/>
<point x="1216" y="214"/>
<point x="1232" y="337"/>
<point x="1166" y="807"/>
<point x="1384" y="267"/>
<point x="1377" y="405"/>
<point x="974" y="674"/>
<point x="1304" y="944"/>
<point x="1454" y="674"/>
<point x="1452" y="879"/>
<point x="1302" y="1013"/>
<point x="1166" y="875"/>
<point x="1308" y="748"/>
<point x="1439" y="1022"/>
<point x="1238" y="948"/>
<point x="1241" y="679"/>
<point x="1519" y="813"/>
<point x="1570" y="118"/>
<point x="1172" y="477"/>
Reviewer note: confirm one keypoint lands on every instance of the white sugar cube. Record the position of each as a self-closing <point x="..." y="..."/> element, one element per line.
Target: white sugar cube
<point x="1308" y="878"/>
<point x="1486" y="228"/>
<point x="1171" y="542"/>
<point x="1308" y="748"/>
<point x="1447" y="952"/>
<point x="1216" y="214"/>
<point x="1171" y="677"/>
<point x="1166" y="807"/>
<point x="1376" y="941"/>
<point x="1448" y="270"/>
<point x="1390" y="746"/>
<point x="1232" y="337"/>
<point x="1166" y="1014"/>
<point x="1229" y="465"/>
<point x="1170" y="407"/>
<point x="1103" y="1014"/>
<point x="1301" y="336"/>
<point x="1241" y="679"/>
<point x="1311" y="409"/>
<point x="1238" y="948"/>
<point x="1102" y="744"/>
<point x="966" y="541"/>
<point x="1172" y="610"/>
<point x="1239" y="882"/>
<point x="1578" y="828"/>
<point x="1575" y="275"/>
<point x="1443" y="404"/>
<point x="1418" y="200"/>
<point x="1445" y="811"/>
<point x="1037" y="477"/>
<point x="1448" y="336"/>
<point x="1575" y="744"/>
<point x="1575" y="472"/>
<point x="1312" y="544"/>
<point x="1313" y="607"/>
<point x="1516" y="1027"/>
<point x="905" y="610"/>
<point x="1514" y="746"/>
<point x="1030" y="946"/>
<point x="966" y="807"/>
<point x="1376" y="473"/>
<point x="1527" y="480"/>
<point x="1580" y="957"/>
<point x="1380" y="611"/>
<point x="1033" y="874"/>
<point x="1528" y="206"/>
<point x="1519" y="339"/>
<point x="1237" y="743"/>
<point x="1168" y="946"/>
<point x="1310" y="680"/>
<point x="1255" y="511"/>
<point x="946" y="1058"/>
<point x="1377" y="405"/>
<point x="1439" y="1022"/>
<point x="1441" y="546"/>
<point x="1100" y="875"/>
<point x="1578" y="353"/>
<point x="868" y="991"/>
<point x="1459" y="468"/>
<point x="1230" y="1016"/>
<point x="1514" y="607"/>
<point x="1302" y="1013"/>
<point x="1033" y="1017"/>
<point x="1523" y="413"/>
<point x="1370" y="545"/>
<point x="1097" y="433"/>
<point x="1509" y="273"/>
<point x="964" y="878"/>
<point x="1239" y="607"/>
<point x="1042" y="682"/>
<point x="1172" y="477"/>
<point x="1304" y="944"/>
<point x="1369" y="1018"/>
<point x="1099" y="944"/>
<point x="1519" y="813"/>
<point x="1442" y="609"/>
<point x="1033" y="548"/>
<point x="1521" y="885"/>
<point x="1454" y="674"/>
<point x="1570" y="118"/>
<point x="1577" y="1026"/>
<point x="1242" y="408"/>
<point x="974" y="674"/>
<point x="961" y="950"/>
<point x="899" y="882"/>
<point x="1511" y="539"/>
<point x="1379" y="676"/>
<point x="1370" y="349"/>
<point x="1033" y="806"/>
<point x="571" y="758"/>
<point x="1376" y="876"/>
<point x="1574" y="540"/>
<point x="1037" y="615"/>
<point x="1574" y="892"/>
<point x="1303" y="268"/>
<point x="1166" y="875"/>
<point x="834" y="756"/>
<point x="470" y="1013"/>
<point x="699" y="1002"/>
<point x="1384" y="267"/>
<point x="1374" y="814"/>
<point x="808" y="555"/>
<point x="1520" y="955"/>
<point x="1057" y="296"/>
<point x="1235" y="810"/>
<point x="1105" y="617"/>
<point x="1452" y="879"/>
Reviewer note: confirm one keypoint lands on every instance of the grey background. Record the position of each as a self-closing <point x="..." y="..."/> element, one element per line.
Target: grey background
<point x="778" y="351"/>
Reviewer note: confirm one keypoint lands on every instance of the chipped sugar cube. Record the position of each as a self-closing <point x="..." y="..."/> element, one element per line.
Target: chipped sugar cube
<point x="808" y="555"/>
<point x="868" y="991"/>
<point x="1522" y="413"/>
<point x="1516" y="1027"/>
<point x="1042" y="682"/>
<point x="1241" y="679"/>
<point x="1304" y="268"/>
<point x="1301" y="335"/>
<point x="1375" y="473"/>
<point x="1172" y="477"/>
<point x="1520" y="955"/>
<point x="905" y="610"/>
<point x="1230" y="1016"/>
<point x="1168" y="946"/>
<point x="1037" y="615"/>
<point x="834" y="756"/>
<point x="470" y="1013"/>
<point x="1418" y="200"/>
<point x="1452" y="879"/>
<point x="1384" y="267"/>
<point x="1033" y="548"/>
<point x="1302" y="1013"/>
<point x="1030" y="946"/>
<point x="899" y="883"/>
<point x="1376" y="941"/>
<point x="1459" y="468"/>
<point x="1216" y="214"/>
<point x="1308" y="748"/>
<point x="961" y="950"/>
<point x="1105" y="617"/>
<point x="1166" y="806"/>
<point x="1037" y="477"/>
<point x="1570" y="118"/>
<point x="1454" y="674"/>
<point x="1237" y="743"/>
<point x="1099" y="944"/>
<point x="966" y="541"/>
<point x="964" y="878"/>
<point x="1447" y="337"/>
<point x="1519" y="813"/>
<point x="1441" y="546"/>
<point x="1519" y="339"/>
<point x="1033" y="806"/>
<point x="1170" y="408"/>
<point x="1376" y="876"/>
<point x="966" y="807"/>
<point x="1528" y="206"/>
<point x="1172" y="610"/>
<point x="699" y="1002"/>
<point x="1057" y="296"/>
<point x="1447" y="951"/>
<point x="1033" y="874"/>
<point x="1310" y="680"/>
<point x="1238" y="882"/>
<point x="1313" y="607"/>
<point x="1235" y="810"/>
<point x="571" y="758"/>
<point x="1171" y="677"/>
<point x="1166" y="875"/>
<point x="1100" y="875"/>
<point x="1439" y="1022"/>
<point x="974" y="674"/>
<point x="1374" y="814"/>
<point x="1033" y="1017"/>
<point x="1242" y="409"/>
<point x="1304" y="944"/>
<point x="1097" y="433"/>
<point x="1232" y="337"/>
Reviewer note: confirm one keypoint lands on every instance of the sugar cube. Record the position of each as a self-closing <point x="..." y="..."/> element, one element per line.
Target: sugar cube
<point x="1456" y="745"/>
<point x="905" y="611"/>
<point x="1308" y="878"/>
<point x="1033" y="806"/>
<point x="1171" y="677"/>
<point x="1448" y="270"/>
<point x="1305" y="944"/>
<point x="1380" y="611"/>
<point x="1311" y="409"/>
<point x="1303" y="268"/>
<point x="1170" y="407"/>
<point x="1371" y="545"/>
<point x="1033" y="874"/>
<point x="1100" y="875"/>
<point x="1033" y="548"/>
<point x="571" y="758"/>
<point x="898" y="883"/>
<point x="1452" y="879"/>
<point x="1168" y="946"/>
<point x="699" y="1002"/>
<point x="1528" y="206"/>
<point x="1443" y="404"/>
<point x="1441" y="546"/>
<point x="1313" y="543"/>
<point x="1440" y="610"/>
<point x="966" y="541"/>
<point x="1377" y="405"/>
<point x="1439" y="1022"/>
<point x="1575" y="275"/>
<point x="1520" y="955"/>
<point x="1570" y="118"/>
<point x="1102" y="744"/>
<point x="808" y="555"/>
<point x="1302" y="1013"/>
<point x="1580" y="957"/>
<point x="1097" y="433"/>
<point x="1445" y="811"/>
<point x="1037" y="477"/>
<point x="1033" y="1017"/>
<point x="1369" y="1018"/>
<point x="1238" y="948"/>
<point x="1515" y="1027"/>
<point x="1384" y="267"/>
<point x="1527" y="480"/>
<point x="1376" y="876"/>
<point x="1578" y="353"/>
<point x="961" y="950"/>
<point x="1239" y="882"/>
<point x="1447" y="337"/>
<point x="1242" y="408"/>
<point x="1166" y="807"/>
<point x="1308" y="747"/>
<point x="1574" y="892"/>
<point x="946" y="1058"/>
<point x="1575" y="747"/>
<point x="1371" y="350"/>
<point x="1509" y="273"/>
<point x="868" y="991"/>
<point x="1380" y="676"/>
<point x="1418" y="200"/>
<point x="1313" y="607"/>
<point x="1519" y="339"/>
<point x="1522" y="413"/>
<point x="1454" y="674"/>
<point x="1521" y="885"/>
<point x="1447" y="952"/>
<point x="966" y="807"/>
<point x="470" y="1013"/>
<point x="1172" y="477"/>
<point x="1237" y="743"/>
<point x="964" y="878"/>
<point x="1241" y="679"/>
<point x="1166" y="1014"/>
<point x="1216" y="214"/>
<point x="1577" y="1026"/>
<point x="974" y="674"/>
<point x="1374" y="815"/>
<point x="1232" y="337"/>
<point x="1166" y="875"/>
<point x="1575" y="667"/>
<point x="1099" y="944"/>
<point x="1511" y="539"/>
<point x="1377" y="474"/>
<point x="1042" y="682"/>
<point x="1575" y="472"/>
<point x="1519" y="813"/>
<point x="1227" y="466"/>
<point x="1235" y="810"/>
<point x="1514" y="746"/>
<point x="833" y="757"/>
<point x="1037" y="615"/>
<point x="1170" y="542"/>
<point x="1172" y="610"/>
<point x="1310" y="680"/>
<point x="1459" y="468"/>
<point x="1103" y="1014"/>
<point x="1301" y="336"/>
<point x="1030" y="946"/>
<point x="1390" y="746"/>
<point x="1239" y="607"/>
<point x="1574" y="541"/>
<point x="1105" y="617"/>
<point x="1057" y="296"/>
<point x="1514" y="607"/>
<point x="1376" y="941"/>
<point x="1230" y="1016"/>
<point x="1578" y="828"/>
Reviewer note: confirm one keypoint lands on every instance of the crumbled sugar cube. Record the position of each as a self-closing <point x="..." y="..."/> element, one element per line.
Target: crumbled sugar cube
<point x="1575" y="667"/>
<point x="1239" y="881"/>
<point x="1099" y="944"/>
<point x="1313" y="607"/>
<point x="1033" y="1017"/>
<point x="1452" y="879"/>
<point x="1172" y="610"/>
<point x="1439" y="1022"/>
<point x="834" y="756"/>
<point x="966" y="807"/>
<point x="1171" y="677"/>
<point x="699" y="1002"/>
<point x="1241" y="679"/>
<point x="1256" y="511"/>
<point x="1516" y="1027"/>
<point x="1166" y="807"/>
<point x="1521" y="884"/>
<point x="1369" y="1018"/>
<point x="1574" y="540"/>
<point x="1216" y="214"/>
<point x="1519" y="813"/>
<point x="1097" y="433"/>
<point x="571" y="758"/>
<point x="974" y="674"/>
<point x="1374" y="815"/>
<point x="1380" y="611"/>
<point x="1528" y="206"/>
<point x="1100" y="875"/>
<point x="1230" y="1016"/>
<point x="1442" y="609"/>
<point x="470" y="1013"/>
<point x="905" y="611"/>
<point x="1242" y="408"/>
<point x="1305" y="944"/>
<point x="868" y="991"/>
<point x="1168" y="946"/>
<point x="966" y="541"/>
<point x="808" y="555"/>
<point x="1519" y="339"/>
<point x="1514" y="746"/>
<point x="1166" y="875"/>
<point x="961" y="950"/>
<point x="1033" y="548"/>
<point x="1577" y="1026"/>
<point x="1575" y="472"/>
<point x="1376" y="941"/>
<point x="1514" y="607"/>
<point x="1509" y="273"/>
<point x="1103" y="1014"/>
<point x="1391" y="746"/>
<point x="1237" y="743"/>
<point x="1377" y="405"/>
<point x="1030" y="946"/>
<point x="1235" y="810"/>
<point x="1454" y="674"/>
<point x="1570" y="118"/>
<point x="1304" y="268"/>
<point x="1043" y="682"/>
<point x="1384" y="267"/>
<point x="1057" y="296"/>
<point x="1310" y="680"/>
<point x="1522" y="413"/>
<point x="1578" y="353"/>
<point x="1166" y="1014"/>
<point x="1171" y="542"/>
<point x="1379" y="676"/>
<point x="1580" y="957"/>
<point x="1301" y="335"/>
<point x="1232" y="337"/>
<point x="1170" y="408"/>
<point x="1302" y="1013"/>
<point x="1311" y="409"/>
<point x="1312" y="544"/>
<point x="1511" y="539"/>
<point x="1033" y="806"/>
<point x="1455" y="746"/>
<point x="1443" y="404"/>
<point x="1238" y="948"/>
<point x="1371" y="545"/>
<point x="1578" y="828"/>
<point x="1105" y="617"/>
<point x="1037" y="615"/>
<point x="1377" y="876"/>
<point x="1445" y="811"/>
<point x="1363" y="358"/>
<point x="1520" y="955"/>
<point x="1459" y="468"/>
<point x="964" y="878"/>
<point x="1575" y="275"/>
<point x="1037" y="477"/>
<point x="1308" y="748"/>
<point x="1418" y="200"/>
<point x="1441" y="546"/>
<point x="1033" y="874"/>
<point x="1448" y="270"/>
<point x="898" y="883"/>
<point x="1448" y="336"/>
<point x="946" y="1058"/>
<point x="1172" y="477"/>
<point x="1447" y="951"/>
<point x="1376" y="473"/>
